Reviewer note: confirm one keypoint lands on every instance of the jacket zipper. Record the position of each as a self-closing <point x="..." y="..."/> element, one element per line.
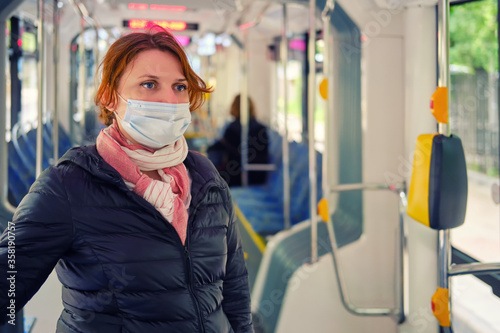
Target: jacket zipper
<point x="188" y="264"/>
<point x="189" y="270"/>
<point x="190" y="287"/>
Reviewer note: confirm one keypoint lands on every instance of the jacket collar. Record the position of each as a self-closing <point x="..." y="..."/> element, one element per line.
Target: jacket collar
<point x="203" y="175"/>
<point x="201" y="171"/>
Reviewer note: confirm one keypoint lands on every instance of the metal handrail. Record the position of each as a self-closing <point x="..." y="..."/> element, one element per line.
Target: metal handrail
<point x="82" y="10"/>
<point x="244" y="111"/>
<point x="326" y="15"/>
<point x="399" y="313"/>
<point x="311" y="106"/>
<point x="260" y="167"/>
<point x="474" y="268"/>
<point x="85" y="17"/>
<point x="256" y="21"/>
<point x="284" y="141"/>
<point x="365" y="186"/>
<point x="41" y="87"/>
<point x="443" y="242"/>
<point x="55" y="117"/>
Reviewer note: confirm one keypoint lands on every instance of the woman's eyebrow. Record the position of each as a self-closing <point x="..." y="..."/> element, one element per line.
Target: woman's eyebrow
<point x="154" y="77"/>
<point x="149" y="76"/>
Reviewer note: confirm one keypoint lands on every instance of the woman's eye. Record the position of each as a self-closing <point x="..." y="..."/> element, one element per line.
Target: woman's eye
<point x="148" y="85"/>
<point x="180" y="87"/>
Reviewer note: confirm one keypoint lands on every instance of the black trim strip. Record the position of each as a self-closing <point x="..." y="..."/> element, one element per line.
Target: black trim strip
<point x="461" y="2"/>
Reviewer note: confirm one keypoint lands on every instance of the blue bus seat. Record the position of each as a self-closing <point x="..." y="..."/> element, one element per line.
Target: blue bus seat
<point x="30" y="138"/>
<point x="17" y="189"/>
<point x="5" y="216"/>
<point x="18" y="327"/>
<point x="64" y="140"/>
<point x="21" y="147"/>
<point x="285" y="253"/>
<point x="263" y="205"/>
<point x="22" y="157"/>
<point x="29" y="323"/>
<point x="20" y="175"/>
<point x="17" y="164"/>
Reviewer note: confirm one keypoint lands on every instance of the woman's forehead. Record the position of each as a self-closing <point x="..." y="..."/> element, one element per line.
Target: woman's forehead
<point x="155" y="63"/>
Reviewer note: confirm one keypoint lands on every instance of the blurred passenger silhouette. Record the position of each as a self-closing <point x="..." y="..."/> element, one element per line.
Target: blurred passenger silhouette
<point x="226" y="152"/>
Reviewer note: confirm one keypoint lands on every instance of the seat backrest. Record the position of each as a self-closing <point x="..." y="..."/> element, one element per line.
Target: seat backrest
<point x="285" y="253"/>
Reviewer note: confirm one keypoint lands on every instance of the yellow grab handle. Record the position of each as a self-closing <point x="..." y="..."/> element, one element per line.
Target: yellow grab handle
<point x="440" y="306"/>
<point x="439" y="105"/>
<point x="323" y="209"/>
<point x="323" y="89"/>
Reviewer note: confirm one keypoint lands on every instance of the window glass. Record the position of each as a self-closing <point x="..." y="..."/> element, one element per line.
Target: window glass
<point x="474" y="118"/>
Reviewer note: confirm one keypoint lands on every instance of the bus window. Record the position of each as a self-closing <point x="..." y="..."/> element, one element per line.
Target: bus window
<point x="21" y="73"/>
<point x="474" y="117"/>
<point x="294" y="86"/>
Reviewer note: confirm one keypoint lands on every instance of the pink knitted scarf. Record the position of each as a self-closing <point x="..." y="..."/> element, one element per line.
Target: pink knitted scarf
<point x="170" y="196"/>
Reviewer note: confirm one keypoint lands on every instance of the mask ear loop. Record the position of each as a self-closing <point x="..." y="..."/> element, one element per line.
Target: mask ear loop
<point x="122" y="98"/>
<point x="116" y="114"/>
<point x="114" y="111"/>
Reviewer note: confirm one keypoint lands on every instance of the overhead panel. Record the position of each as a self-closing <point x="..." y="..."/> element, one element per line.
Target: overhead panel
<point x="8" y="6"/>
<point x="391" y="4"/>
<point x="191" y="4"/>
<point x="289" y="1"/>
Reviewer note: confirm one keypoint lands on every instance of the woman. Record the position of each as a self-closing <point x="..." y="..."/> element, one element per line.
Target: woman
<point x="142" y="232"/>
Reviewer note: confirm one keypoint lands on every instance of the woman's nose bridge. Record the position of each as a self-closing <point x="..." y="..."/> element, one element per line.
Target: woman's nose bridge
<point x="168" y="95"/>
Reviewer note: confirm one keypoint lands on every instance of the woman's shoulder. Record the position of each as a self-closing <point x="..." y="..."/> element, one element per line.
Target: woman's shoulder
<point x="202" y="170"/>
<point x="54" y="176"/>
<point x="200" y="164"/>
<point x="79" y="164"/>
<point x="80" y="155"/>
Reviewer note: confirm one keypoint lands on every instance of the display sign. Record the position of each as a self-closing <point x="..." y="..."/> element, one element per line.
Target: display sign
<point x="170" y="25"/>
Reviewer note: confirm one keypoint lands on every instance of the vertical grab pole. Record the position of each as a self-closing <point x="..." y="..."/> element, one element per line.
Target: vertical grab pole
<point x="97" y="53"/>
<point x="55" y="119"/>
<point x="244" y="114"/>
<point x="286" y="153"/>
<point x="41" y="90"/>
<point x="327" y="75"/>
<point x="444" y="247"/>
<point x="311" y="105"/>
<point x="82" y="78"/>
<point x="443" y="53"/>
<point x="403" y="300"/>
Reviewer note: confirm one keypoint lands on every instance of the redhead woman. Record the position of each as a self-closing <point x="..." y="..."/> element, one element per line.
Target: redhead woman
<point x="141" y="231"/>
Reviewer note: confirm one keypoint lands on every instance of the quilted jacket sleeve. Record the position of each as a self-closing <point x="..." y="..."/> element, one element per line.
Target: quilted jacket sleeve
<point x="236" y="303"/>
<point x="40" y="233"/>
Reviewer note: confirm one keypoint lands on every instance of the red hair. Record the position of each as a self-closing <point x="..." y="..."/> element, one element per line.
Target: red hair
<point x="125" y="50"/>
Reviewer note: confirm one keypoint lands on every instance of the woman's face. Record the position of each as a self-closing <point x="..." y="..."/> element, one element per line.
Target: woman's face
<point x="154" y="76"/>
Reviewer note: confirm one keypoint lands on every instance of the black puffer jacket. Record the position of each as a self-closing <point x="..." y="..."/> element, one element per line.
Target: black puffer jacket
<point x="122" y="265"/>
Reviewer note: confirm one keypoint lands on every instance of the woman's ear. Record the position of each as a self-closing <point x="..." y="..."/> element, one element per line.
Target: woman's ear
<point x="107" y="100"/>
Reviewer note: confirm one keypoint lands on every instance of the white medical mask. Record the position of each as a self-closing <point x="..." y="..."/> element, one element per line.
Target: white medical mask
<point x="153" y="124"/>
